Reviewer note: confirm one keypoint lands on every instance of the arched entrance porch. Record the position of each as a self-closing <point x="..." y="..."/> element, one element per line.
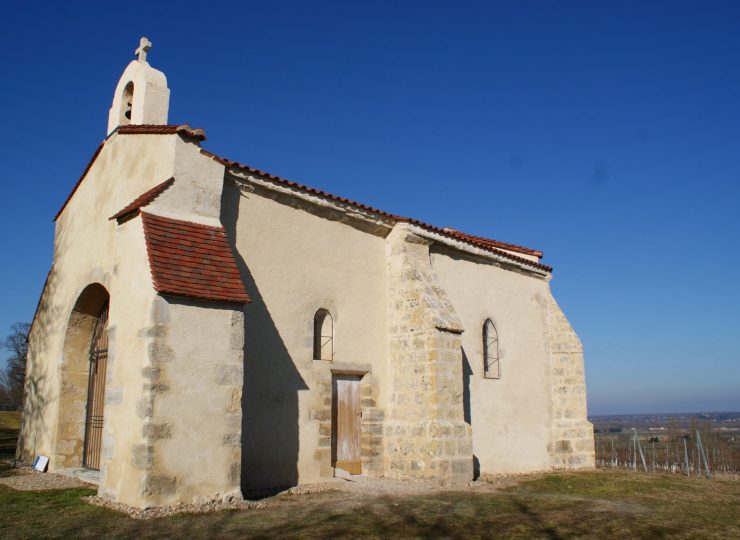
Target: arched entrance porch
<point x="82" y="393"/>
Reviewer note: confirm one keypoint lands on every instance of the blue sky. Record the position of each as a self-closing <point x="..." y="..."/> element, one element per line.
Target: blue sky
<point x="606" y="134"/>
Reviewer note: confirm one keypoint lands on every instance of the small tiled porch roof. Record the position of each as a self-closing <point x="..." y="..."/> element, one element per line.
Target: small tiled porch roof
<point x="192" y="260"/>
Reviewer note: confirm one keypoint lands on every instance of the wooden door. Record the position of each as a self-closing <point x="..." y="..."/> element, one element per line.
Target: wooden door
<point x="96" y="392"/>
<point x="346" y="417"/>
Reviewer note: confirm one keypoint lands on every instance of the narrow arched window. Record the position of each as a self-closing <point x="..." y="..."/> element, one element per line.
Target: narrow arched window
<point x="491" y="364"/>
<point x="323" y="336"/>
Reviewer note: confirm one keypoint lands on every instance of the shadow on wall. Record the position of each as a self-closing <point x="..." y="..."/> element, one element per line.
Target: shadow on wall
<point x="38" y="391"/>
<point x="271" y="383"/>
<point x="467" y="372"/>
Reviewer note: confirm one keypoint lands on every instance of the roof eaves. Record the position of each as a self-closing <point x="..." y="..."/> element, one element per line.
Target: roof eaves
<point x="161" y="129"/>
<point x="487" y="244"/>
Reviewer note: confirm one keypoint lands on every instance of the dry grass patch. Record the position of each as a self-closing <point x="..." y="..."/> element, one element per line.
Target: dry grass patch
<point x="591" y="504"/>
<point x="564" y="505"/>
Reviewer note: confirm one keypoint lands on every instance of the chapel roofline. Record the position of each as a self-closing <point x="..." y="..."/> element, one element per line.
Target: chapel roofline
<point x="486" y="244"/>
<point x="188" y="133"/>
<point x="197" y="135"/>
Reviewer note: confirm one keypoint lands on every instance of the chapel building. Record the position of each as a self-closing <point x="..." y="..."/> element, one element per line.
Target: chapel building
<point x="208" y="329"/>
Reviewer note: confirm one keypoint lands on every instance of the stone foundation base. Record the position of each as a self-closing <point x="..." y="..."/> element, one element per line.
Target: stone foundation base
<point x="572" y="445"/>
<point x="438" y="451"/>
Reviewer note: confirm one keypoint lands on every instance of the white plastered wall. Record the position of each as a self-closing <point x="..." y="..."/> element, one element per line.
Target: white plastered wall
<point x="89" y="248"/>
<point x="511" y="416"/>
<point x="296" y="262"/>
<point x="191" y="451"/>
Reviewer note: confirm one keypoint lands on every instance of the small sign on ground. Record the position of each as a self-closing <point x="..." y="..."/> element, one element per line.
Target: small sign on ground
<point x="40" y="463"/>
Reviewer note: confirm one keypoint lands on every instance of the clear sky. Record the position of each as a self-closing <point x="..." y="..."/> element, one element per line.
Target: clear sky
<point x="606" y="134"/>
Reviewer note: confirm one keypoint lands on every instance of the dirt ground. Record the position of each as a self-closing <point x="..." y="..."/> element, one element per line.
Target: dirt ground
<point x="590" y="504"/>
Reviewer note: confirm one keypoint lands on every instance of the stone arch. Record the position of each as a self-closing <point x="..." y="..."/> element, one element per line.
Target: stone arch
<point x="75" y="371"/>
<point x="127" y="103"/>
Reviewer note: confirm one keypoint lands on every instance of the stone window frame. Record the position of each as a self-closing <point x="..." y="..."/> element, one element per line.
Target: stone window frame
<point x="491" y="350"/>
<point x="323" y="338"/>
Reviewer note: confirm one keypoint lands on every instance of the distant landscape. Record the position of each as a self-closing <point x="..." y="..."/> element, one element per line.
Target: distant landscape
<point x="669" y="442"/>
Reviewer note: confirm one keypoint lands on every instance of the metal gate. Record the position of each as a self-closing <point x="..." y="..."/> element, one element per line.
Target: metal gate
<point x="96" y="392"/>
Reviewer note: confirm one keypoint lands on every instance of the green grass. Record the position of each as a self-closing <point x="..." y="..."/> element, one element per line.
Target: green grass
<point x="593" y="504"/>
<point x="586" y="504"/>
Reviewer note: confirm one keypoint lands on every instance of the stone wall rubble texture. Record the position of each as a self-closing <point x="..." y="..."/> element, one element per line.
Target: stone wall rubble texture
<point x="425" y="432"/>
<point x="571" y="443"/>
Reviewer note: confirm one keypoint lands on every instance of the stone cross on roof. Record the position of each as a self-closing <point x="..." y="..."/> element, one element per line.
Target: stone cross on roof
<point x="144" y="46"/>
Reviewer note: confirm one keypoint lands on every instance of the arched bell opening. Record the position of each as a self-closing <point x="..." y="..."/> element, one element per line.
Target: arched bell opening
<point x="127" y="103"/>
<point x="82" y="391"/>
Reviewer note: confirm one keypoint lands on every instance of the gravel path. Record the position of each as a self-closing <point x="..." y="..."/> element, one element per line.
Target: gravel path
<point x="164" y="511"/>
<point x="26" y="479"/>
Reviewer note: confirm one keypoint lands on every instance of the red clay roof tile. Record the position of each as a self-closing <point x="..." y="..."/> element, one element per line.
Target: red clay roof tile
<point x="192" y="260"/>
<point x="155" y="129"/>
<point x="141" y="201"/>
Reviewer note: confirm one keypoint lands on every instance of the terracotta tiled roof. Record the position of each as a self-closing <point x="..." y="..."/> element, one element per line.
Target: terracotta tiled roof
<point x="141" y="201"/>
<point x="476" y="240"/>
<point x="154" y="129"/>
<point x="133" y="129"/>
<point x="483" y="243"/>
<point x="192" y="260"/>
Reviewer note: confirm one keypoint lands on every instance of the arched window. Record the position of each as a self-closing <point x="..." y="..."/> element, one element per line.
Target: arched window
<point x="491" y="365"/>
<point x="323" y="336"/>
<point x="127" y="101"/>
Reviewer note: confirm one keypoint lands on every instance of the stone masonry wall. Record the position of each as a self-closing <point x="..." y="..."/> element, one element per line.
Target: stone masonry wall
<point x="426" y="435"/>
<point x="571" y="443"/>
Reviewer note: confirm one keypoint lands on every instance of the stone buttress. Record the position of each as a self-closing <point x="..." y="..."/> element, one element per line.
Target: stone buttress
<point x="571" y="442"/>
<point x="426" y="435"/>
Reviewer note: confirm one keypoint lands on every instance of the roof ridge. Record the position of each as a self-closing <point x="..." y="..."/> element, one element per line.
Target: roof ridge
<point x="501" y="248"/>
<point x="488" y="244"/>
